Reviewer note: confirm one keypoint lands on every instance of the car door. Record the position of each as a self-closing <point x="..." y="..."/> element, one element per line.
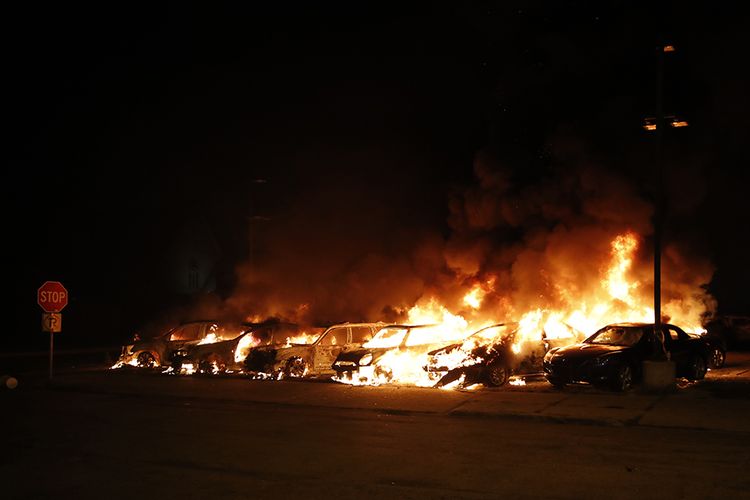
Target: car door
<point x="328" y="348"/>
<point x="183" y="335"/>
<point x="678" y="345"/>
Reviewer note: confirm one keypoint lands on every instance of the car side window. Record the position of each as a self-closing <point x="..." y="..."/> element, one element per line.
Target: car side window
<point x="187" y="333"/>
<point x="675" y="335"/>
<point x="361" y="334"/>
<point x="336" y="336"/>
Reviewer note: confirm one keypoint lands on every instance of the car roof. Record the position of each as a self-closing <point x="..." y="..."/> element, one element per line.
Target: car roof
<point x="339" y="325"/>
<point x="182" y="323"/>
<point x="635" y="324"/>
<point x="400" y="325"/>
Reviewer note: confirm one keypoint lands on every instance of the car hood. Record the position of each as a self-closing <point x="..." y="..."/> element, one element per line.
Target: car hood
<point x="587" y="351"/>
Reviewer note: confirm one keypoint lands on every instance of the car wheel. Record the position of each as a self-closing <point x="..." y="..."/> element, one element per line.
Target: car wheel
<point x="697" y="368"/>
<point x="718" y="357"/>
<point x="497" y="375"/>
<point x="146" y="360"/>
<point x="383" y="374"/>
<point x="212" y="365"/>
<point x="295" y="368"/>
<point x="623" y="379"/>
<point x="556" y="383"/>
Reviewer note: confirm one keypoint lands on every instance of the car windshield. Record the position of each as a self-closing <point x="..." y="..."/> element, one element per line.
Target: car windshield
<point x="219" y="332"/>
<point x="387" y="337"/>
<point x="493" y="332"/>
<point x="617" y="335"/>
<point x="307" y="336"/>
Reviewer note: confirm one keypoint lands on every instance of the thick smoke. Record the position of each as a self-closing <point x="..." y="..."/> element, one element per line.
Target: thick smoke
<point x="546" y="244"/>
<point x="530" y="244"/>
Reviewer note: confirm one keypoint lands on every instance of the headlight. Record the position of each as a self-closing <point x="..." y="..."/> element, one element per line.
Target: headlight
<point x="550" y="353"/>
<point x="365" y="360"/>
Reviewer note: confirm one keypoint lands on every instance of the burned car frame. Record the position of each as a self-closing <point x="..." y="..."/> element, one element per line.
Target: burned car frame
<point x="227" y="350"/>
<point x="376" y="361"/>
<point x="312" y="357"/>
<point x="157" y="351"/>
<point x="491" y="355"/>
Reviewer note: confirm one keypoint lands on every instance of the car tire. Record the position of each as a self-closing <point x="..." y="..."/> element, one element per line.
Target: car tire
<point x="496" y="375"/>
<point x="556" y="382"/>
<point x="622" y="380"/>
<point x="146" y="360"/>
<point x="295" y="368"/>
<point x="207" y="365"/>
<point x="717" y="357"/>
<point x="697" y="370"/>
<point x="383" y="374"/>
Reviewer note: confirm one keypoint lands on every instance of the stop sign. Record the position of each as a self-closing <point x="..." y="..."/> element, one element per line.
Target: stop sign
<point x="52" y="296"/>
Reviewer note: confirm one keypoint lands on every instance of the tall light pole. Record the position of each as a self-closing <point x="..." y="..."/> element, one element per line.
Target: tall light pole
<point x="657" y="124"/>
<point x="659" y="209"/>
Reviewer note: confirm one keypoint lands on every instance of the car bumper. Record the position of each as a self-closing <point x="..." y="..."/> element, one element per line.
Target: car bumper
<point x="585" y="372"/>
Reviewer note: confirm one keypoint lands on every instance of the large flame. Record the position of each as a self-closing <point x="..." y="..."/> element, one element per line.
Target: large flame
<point x="618" y="297"/>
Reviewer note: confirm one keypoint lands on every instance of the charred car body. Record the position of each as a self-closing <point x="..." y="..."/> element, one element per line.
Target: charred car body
<point x="226" y="349"/>
<point x="613" y="356"/>
<point x="491" y="355"/>
<point x="311" y="356"/>
<point x="158" y="350"/>
<point x="376" y="360"/>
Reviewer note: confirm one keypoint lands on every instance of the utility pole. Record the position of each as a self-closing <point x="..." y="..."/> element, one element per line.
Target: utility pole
<point x="659" y="209"/>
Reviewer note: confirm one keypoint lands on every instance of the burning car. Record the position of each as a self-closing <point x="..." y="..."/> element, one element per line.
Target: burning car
<point x="225" y="349"/>
<point x="494" y="353"/>
<point x="309" y="354"/>
<point x="395" y="353"/>
<point x="613" y="356"/>
<point x="157" y="351"/>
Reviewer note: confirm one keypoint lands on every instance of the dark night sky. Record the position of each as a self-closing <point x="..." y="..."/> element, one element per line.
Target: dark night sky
<point x="131" y="124"/>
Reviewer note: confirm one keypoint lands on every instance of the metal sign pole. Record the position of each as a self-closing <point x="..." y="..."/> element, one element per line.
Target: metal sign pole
<point x="51" y="348"/>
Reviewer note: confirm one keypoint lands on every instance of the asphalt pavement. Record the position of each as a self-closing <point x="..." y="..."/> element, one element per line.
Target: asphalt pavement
<point x="720" y="402"/>
<point x="93" y="433"/>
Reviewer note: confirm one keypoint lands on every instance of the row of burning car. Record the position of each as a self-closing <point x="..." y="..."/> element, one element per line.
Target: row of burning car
<point x="424" y="355"/>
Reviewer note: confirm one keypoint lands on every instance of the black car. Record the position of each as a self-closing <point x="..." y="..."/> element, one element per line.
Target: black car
<point x="491" y="355"/>
<point x="732" y="331"/>
<point x="613" y="357"/>
<point x="717" y="346"/>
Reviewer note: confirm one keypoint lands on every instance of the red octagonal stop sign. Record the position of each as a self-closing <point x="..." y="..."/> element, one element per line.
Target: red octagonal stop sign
<point x="52" y="296"/>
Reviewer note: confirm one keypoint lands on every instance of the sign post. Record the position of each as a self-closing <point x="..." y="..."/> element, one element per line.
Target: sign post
<point x="52" y="297"/>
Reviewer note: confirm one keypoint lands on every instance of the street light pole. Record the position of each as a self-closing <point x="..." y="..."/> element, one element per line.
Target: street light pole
<point x="659" y="209"/>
